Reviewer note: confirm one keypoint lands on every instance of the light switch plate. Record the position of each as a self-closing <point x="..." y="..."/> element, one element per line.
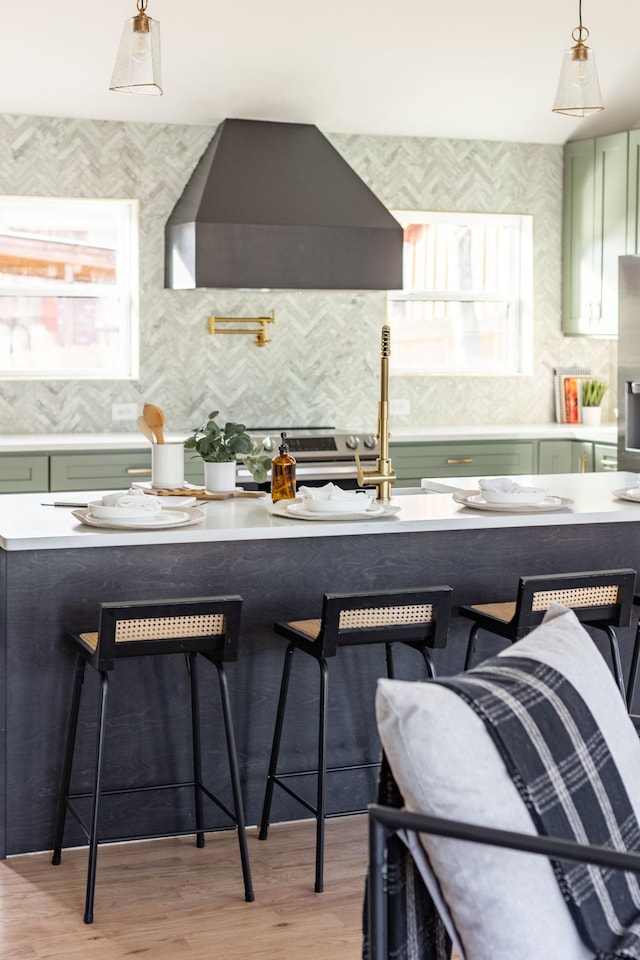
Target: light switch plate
<point x="124" y="411"/>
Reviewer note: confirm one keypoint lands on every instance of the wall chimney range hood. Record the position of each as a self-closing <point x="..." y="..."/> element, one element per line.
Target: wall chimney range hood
<point x="274" y="205"/>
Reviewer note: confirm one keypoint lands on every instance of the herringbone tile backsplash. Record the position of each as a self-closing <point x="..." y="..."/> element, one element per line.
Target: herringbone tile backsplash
<point x="322" y="364"/>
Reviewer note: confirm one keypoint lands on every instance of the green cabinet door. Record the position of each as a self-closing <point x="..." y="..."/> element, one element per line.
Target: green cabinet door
<point x="594" y="229"/>
<point x="581" y="456"/>
<point x="555" y="456"/>
<point x="633" y="194"/>
<point x="415" y="461"/>
<point x="99" y="471"/>
<point x="605" y="457"/>
<point x="611" y="166"/>
<point x="578" y="218"/>
<point x="24" y="473"/>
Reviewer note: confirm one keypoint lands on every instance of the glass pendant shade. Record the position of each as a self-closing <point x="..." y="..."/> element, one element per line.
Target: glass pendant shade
<point x="137" y="66"/>
<point x="578" y="92"/>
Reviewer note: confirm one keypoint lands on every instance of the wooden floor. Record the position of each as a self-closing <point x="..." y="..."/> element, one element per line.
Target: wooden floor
<point x="167" y="900"/>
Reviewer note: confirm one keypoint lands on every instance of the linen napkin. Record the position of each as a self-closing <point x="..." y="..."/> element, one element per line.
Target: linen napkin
<point x="132" y="498"/>
<point x="356" y="498"/>
<point x="505" y="485"/>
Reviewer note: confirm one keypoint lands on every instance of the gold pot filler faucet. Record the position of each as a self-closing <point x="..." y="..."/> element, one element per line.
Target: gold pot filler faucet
<point x="383" y="477"/>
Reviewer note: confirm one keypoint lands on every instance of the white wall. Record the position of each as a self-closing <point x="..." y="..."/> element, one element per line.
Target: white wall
<point x="322" y="364"/>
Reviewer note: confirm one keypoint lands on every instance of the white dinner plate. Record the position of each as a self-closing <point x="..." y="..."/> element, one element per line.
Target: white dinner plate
<point x="474" y="498"/>
<point x="166" y="518"/>
<point x="296" y="509"/>
<point x="631" y="493"/>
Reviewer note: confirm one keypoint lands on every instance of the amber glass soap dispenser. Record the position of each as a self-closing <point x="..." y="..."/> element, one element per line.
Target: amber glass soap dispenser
<point x="283" y="473"/>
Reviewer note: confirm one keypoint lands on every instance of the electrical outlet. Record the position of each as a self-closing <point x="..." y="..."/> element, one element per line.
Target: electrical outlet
<point x="124" y="411"/>
<point x="400" y="406"/>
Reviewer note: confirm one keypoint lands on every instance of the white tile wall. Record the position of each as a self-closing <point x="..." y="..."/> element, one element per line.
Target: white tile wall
<point x="322" y="364"/>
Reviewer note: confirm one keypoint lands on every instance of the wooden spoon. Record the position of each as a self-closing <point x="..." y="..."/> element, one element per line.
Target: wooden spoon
<point x="144" y="428"/>
<point x="154" y="419"/>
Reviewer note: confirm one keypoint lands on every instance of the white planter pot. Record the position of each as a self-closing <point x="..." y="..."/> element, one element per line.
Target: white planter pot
<point x="220" y="477"/>
<point x="591" y="416"/>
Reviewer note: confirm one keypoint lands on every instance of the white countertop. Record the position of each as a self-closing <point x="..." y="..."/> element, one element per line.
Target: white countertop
<point x="27" y="524"/>
<point x="64" y="442"/>
<point x="605" y="433"/>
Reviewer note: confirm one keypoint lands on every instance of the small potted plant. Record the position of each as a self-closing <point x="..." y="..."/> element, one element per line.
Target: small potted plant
<point x="592" y="393"/>
<point x="219" y="448"/>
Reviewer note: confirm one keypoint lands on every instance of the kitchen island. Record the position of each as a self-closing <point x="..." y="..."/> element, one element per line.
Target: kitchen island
<point x="55" y="571"/>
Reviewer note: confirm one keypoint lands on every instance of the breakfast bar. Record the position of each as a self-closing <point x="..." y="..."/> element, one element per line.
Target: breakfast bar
<point x="56" y="570"/>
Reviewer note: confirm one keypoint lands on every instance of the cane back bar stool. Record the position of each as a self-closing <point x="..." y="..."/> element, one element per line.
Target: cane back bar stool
<point x="203" y="625"/>
<point x="418" y="618"/>
<point x="601" y="599"/>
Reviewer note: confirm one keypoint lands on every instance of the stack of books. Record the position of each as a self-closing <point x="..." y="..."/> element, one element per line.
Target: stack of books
<point x="568" y="393"/>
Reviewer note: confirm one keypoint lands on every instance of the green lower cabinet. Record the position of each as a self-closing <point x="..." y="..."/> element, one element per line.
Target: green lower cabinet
<point x="117" y="470"/>
<point x="27" y="473"/>
<point x="605" y="457"/>
<point x="576" y="456"/>
<point x="99" y="471"/>
<point x="556" y="456"/>
<point x="111" y="471"/>
<point x="413" y="461"/>
<point x="581" y="456"/>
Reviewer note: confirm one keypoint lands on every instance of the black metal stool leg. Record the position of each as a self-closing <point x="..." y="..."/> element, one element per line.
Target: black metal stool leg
<point x="426" y="656"/>
<point x="197" y="747"/>
<point x="428" y="659"/>
<point x="275" y="748"/>
<point x="471" y="646"/>
<point x="376" y="891"/>
<point x="633" y="672"/>
<point x="235" y="783"/>
<point x="388" y="649"/>
<point x="615" y="660"/>
<point x="68" y="761"/>
<point x="322" y="774"/>
<point x="95" y="805"/>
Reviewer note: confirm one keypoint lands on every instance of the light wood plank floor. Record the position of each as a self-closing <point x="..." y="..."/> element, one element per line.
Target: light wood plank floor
<point x="167" y="900"/>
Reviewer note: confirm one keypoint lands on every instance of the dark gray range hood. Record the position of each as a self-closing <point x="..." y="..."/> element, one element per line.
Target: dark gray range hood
<point x="274" y="205"/>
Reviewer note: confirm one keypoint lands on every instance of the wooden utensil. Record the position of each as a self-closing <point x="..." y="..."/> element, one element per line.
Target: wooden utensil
<point x="145" y="429"/>
<point x="154" y="419"/>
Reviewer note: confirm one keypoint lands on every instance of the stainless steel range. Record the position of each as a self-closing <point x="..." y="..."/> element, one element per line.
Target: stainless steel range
<point x="322" y="454"/>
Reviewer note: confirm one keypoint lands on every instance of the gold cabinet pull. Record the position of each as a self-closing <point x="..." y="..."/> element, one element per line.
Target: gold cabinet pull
<point x="137" y="470"/>
<point x="459" y="460"/>
<point x="583" y="463"/>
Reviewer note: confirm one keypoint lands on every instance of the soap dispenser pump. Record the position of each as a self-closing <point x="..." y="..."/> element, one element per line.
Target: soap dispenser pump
<point x="283" y="473"/>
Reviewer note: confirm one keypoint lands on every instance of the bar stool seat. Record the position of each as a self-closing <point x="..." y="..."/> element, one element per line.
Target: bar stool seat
<point x="417" y="618"/>
<point x="602" y="599"/>
<point x="203" y="625"/>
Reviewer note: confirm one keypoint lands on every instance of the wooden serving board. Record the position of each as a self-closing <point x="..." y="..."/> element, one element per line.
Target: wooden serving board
<point x="200" y="493"/>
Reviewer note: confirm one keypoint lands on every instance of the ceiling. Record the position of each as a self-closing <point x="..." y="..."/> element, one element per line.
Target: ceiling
<point x="464" y="70"/>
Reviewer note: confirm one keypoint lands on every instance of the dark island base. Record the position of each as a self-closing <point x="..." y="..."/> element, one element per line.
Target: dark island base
<point x="47" y="592"/>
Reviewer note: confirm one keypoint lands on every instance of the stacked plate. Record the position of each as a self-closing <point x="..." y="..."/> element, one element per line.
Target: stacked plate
<point x="119" y="518"/>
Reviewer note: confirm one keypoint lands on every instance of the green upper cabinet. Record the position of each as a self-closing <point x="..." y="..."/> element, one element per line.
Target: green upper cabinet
<point x="595" y="233"/>
<point x="633" y="178"/>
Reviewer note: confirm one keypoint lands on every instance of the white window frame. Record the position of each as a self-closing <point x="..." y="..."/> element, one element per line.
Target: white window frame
<point x="125" y="364"/>
<point x="519" y="297"/>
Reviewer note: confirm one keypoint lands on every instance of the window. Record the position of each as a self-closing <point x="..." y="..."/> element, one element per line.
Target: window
<point x="466" y="301"/>
<point x="68" y="288"/>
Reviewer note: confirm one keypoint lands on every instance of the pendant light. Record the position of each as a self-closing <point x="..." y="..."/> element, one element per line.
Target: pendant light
<point x="137" y="66"/>
<point x="578" y="88"/>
